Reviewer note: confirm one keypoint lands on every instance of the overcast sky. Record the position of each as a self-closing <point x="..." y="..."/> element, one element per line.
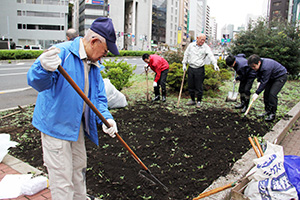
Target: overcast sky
<point x="235" y="11"/>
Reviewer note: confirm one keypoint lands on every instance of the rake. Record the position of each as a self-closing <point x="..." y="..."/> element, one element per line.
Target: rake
<point x="91" y="105"/>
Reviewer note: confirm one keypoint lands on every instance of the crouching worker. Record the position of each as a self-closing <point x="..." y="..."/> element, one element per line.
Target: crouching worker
<point x="271" y="76"/>
<point x="246" y="76"/>
<point x="161" y="68"/>
<point x="61" y="114"/>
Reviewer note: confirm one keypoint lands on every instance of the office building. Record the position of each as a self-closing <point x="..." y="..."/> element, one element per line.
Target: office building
<point x="34" y="22"/>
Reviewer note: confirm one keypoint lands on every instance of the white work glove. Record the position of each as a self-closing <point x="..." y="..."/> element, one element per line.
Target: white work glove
<point x="50" y="60"/>
<point x="154" y="84"/>
<point x="112" y="130"/>
<point x="184" y="67"/>
<point x="216" y="67"/>
<point x="254" y="97"/>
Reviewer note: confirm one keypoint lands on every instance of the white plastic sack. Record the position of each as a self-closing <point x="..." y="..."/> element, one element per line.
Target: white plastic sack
<point x="269" y="181"/>
<point x="10" y="185"/>
<point x="5" y="144"/>
<point x="34" y="185"/>
<point x="115" y="98"/>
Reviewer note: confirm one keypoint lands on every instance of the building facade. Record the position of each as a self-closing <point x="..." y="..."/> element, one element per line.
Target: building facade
<point x="38" y="22"/>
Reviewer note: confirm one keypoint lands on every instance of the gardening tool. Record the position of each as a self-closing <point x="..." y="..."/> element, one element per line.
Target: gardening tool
<point x="216" y="190"/>
<point x="148" y="98"/>
<point x="181" y="88"/>
<point x="249" y="107"/>
<point x="254" y="147"/>
<point x="259" y="147"/>
<point x="232" y="96"/>
<point x="219" y="189"/>
<point x="13" y="113"/>
<point x="91" y="105"/>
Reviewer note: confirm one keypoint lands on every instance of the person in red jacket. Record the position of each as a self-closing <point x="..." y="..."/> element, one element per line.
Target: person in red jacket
<point x="161" y="68"/>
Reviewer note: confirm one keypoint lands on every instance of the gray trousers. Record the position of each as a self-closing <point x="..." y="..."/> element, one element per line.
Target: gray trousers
<point x="66" y="163"/>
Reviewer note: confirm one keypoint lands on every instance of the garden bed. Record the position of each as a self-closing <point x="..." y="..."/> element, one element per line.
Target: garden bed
<point x="186" y="151"/>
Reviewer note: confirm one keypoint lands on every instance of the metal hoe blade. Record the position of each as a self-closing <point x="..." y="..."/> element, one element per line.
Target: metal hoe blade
<point x="153" y="180"/>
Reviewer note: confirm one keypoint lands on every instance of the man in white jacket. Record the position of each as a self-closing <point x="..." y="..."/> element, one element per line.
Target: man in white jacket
<point x="195" y="55"/>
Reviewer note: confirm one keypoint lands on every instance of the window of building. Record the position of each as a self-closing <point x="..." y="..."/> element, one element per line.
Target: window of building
<point x="19" y="26"/>
<point x="19" y="13"/>
<point x="43" y="14"/>
<point x="276" y="4"/>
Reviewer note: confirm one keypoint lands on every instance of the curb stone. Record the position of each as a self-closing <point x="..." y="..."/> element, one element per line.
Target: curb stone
<point x="243" y="165"/>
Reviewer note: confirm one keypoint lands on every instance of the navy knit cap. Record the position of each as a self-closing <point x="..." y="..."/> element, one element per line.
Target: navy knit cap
<point x="104" y="27"/>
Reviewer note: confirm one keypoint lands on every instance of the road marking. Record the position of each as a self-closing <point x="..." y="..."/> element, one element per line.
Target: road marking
<point x="13" y="74"/>
<point x="14" y="90"/>
<point x="13" y="68"/>
<point x="20" y="63"/>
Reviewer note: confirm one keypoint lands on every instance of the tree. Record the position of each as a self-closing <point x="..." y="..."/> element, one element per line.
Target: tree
<point x="279" y="41"/>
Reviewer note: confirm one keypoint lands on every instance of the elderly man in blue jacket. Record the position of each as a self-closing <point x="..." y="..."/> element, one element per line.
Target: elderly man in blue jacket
<point x="61" y="114"/>
<point x="246" y="76"/>
<point x="271" y="76"/>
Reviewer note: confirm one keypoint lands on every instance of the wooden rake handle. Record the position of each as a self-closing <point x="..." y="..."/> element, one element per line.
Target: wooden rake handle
<point x="181" y="88"/>
<point x="91" y="105"/>
<point x="216" y="190"/>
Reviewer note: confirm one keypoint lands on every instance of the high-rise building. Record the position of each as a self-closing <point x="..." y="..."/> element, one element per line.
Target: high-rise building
<point x="196" y="18"/>
<point x="279" y="10"/>
<point x="39" y="22"/>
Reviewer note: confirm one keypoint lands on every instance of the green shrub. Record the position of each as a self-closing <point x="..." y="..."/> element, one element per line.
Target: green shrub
<point x="118" y="73"/>
<point x="19" y="54"/>
<point x="175" y="76"/>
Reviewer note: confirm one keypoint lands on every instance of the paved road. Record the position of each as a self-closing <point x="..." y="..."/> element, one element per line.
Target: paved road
<point x="15" y="91"/>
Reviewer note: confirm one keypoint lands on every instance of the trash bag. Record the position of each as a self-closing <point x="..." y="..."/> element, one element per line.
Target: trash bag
<point x="5" y="144"/>
<point x="292" y="169"/>
<point x="115" y="99"/>
<point x="269" y="180"/>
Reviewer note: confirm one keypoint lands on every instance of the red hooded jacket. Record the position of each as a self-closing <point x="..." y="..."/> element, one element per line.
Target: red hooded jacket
<point x="158" y="64"/>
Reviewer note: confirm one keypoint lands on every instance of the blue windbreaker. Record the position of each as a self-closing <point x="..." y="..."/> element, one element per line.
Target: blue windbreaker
<point x="58" y="110"/>
<point x="269" y="70"/>
<point x="242" y="69"/>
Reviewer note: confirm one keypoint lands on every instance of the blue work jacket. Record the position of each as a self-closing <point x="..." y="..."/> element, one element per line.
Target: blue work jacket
<point x="58" y="110"/>
<point x="242" y="69"/>
<point x="269" y="70"/>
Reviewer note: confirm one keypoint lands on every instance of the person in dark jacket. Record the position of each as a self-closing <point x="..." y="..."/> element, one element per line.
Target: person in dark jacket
<point x="161" y="68"/>
<point x="271" y="76"/>
<point x="246" y="76"/>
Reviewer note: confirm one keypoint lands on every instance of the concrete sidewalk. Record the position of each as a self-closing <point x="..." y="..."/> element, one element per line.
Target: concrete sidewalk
<point x="280" y="134"/>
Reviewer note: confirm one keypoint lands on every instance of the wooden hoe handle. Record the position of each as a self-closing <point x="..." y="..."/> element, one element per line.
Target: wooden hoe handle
<point x="216" y="190"/>
<point x="91" y="105"/>
<point x="181" y="88"/>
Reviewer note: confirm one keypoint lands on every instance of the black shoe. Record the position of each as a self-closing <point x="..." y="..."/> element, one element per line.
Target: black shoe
<point x="239" y="106"/>
<point x="164" y="98"/>
<point x="270" y="118"/>
<point x="156" y="98"/>
<point x="263" y="114"/>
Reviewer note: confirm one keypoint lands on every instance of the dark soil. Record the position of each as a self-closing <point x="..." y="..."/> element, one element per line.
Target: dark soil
<point x="186" y="153"/>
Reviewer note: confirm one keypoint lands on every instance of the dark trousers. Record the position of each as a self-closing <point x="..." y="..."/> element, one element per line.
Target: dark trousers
<point x="272" y="89"/>
<point x="162" y="82"/>
<point x="245" y="86"/>
<point x="195" y="82"/>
